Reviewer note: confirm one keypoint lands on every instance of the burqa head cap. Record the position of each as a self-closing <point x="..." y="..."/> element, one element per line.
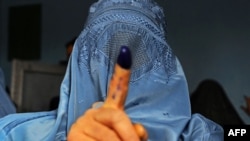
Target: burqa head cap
<point x="138" y="25"/>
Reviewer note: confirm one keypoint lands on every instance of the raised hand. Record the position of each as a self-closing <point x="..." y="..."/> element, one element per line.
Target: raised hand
<point x="110" y="122"/>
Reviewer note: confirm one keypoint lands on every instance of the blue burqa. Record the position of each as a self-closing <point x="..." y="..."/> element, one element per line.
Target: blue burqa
<point x="158" y="95"/>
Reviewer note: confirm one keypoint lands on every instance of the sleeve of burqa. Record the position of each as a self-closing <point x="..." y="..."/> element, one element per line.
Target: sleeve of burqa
<point x="158" y="95"/>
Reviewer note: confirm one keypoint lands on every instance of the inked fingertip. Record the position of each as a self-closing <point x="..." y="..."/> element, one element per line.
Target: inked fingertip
<point x="124" y="57"/>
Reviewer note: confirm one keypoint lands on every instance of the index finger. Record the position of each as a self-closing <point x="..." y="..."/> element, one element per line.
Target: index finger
<point x="118" y="89"/>
<point x="118" y="86"/>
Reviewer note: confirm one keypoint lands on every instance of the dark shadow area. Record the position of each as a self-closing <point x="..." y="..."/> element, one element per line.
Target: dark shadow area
<point x="210" y="100"/>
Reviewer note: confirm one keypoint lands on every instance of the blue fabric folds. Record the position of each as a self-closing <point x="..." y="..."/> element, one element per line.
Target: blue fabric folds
<point x="158" y="94"/>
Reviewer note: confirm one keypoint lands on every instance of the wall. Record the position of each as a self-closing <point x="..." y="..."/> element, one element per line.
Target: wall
<point x="60" y="23"/>
<point x="211" y="38"/>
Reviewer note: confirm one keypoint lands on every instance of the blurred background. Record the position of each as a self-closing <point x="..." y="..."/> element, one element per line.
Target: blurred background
<point x="211" y="38"/>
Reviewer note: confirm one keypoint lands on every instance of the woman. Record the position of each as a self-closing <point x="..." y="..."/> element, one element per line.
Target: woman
<point x="157" y="97"/>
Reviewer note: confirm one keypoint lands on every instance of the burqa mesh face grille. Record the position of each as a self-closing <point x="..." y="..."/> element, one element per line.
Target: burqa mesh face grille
<point x="135" y="44"/>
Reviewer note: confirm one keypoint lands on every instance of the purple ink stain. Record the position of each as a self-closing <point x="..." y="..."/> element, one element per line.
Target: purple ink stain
<point x="124" y="58"/>
<point x="118" y="87"/>
<point x="113" y="96"/>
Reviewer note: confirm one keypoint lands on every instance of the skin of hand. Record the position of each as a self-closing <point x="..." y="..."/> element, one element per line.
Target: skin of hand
<point x="109" y="122"/>
<point x="103" y="124"/>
